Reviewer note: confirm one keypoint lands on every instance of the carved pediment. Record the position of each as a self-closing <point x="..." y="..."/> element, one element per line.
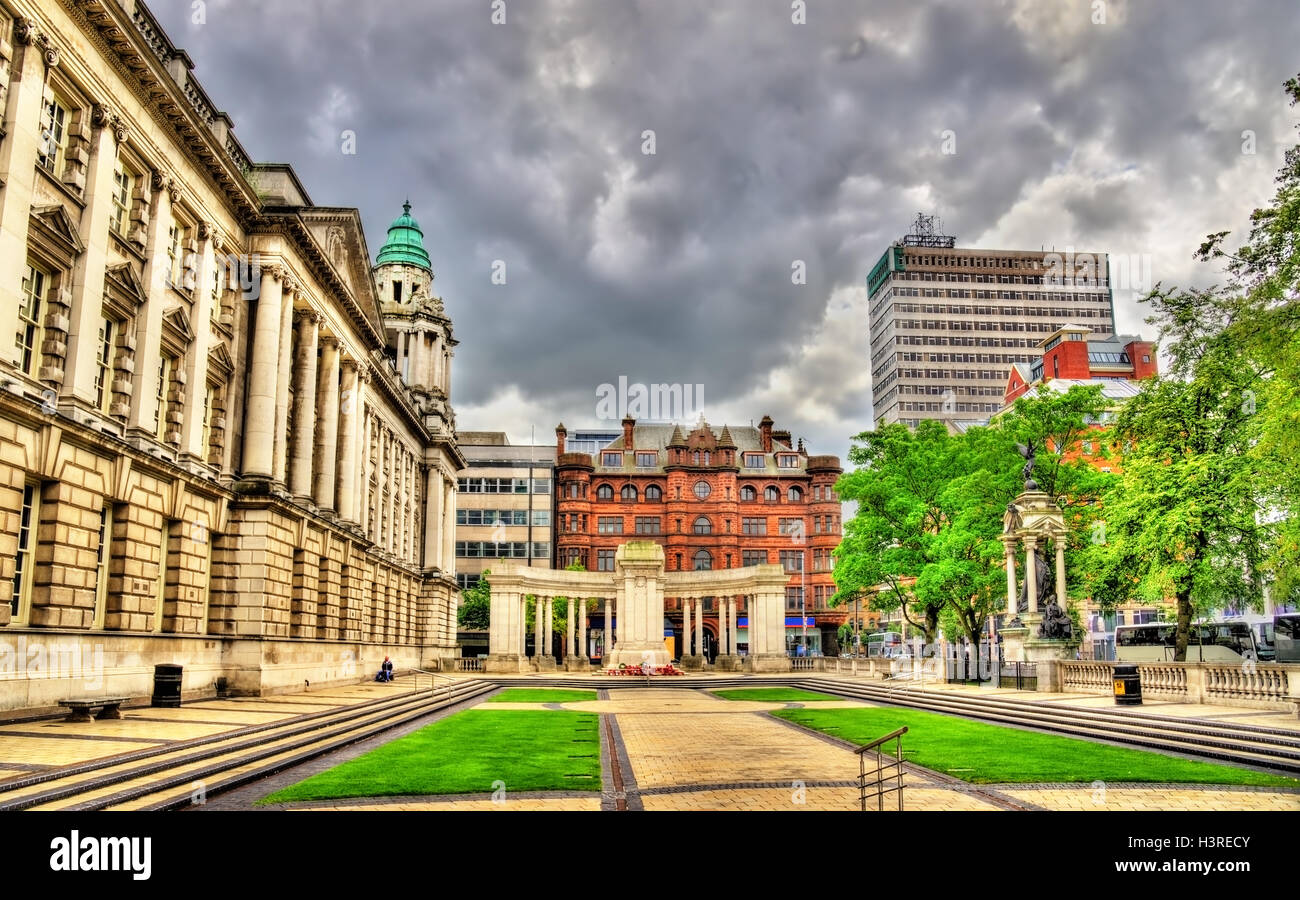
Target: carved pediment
<point x="54" y="231"/>
<point x="342" y="242"/>
<point x="220" y="365"/>
<point x="176" y="331"/>
<point x="124" y="292"/>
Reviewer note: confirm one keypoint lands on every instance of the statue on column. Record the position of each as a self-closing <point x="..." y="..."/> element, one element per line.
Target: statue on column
<point x="1043" y="581"/>
<point x="1029" y="452"/>
<point x="1056" y="624"/>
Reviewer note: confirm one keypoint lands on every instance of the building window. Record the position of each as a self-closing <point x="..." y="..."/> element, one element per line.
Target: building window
<point x="573" y="491"/>
<point x="703" y="526"/>
<point x="792" y="560"/>
<point x="788" y="461"/>
<point x="164" y="542"/>
<point x="54" y="135"/>
<point x="164" y="386"/>
<point x="573" y="556"/>
<point x="21" y="603"/>
<point x="794" y="495"/>
<point x="748" y="493"/>
<point x="756" y="525"/>
<point x="791" y="526"/>
<point x="794" y="599"/>
<point x="647" y="525"/>
<point x="647" y="460"/>
<point x="209" y="400"/>
<point x="604" y="560"/>
<point x="120" y="214"/>
<point x="611" y="459"/>
<point x="628" y="492"/>
<point x="753" y="557"/>
<point x="604" y="492"/>
<point x="703" y="561"/>
<point x="609" y="525"/>
<point x="702" y="490"/>
<point x="104" y="365"/>
<point x="101" y="565"/>
<point x="541" y="518"/>
<point x="31" y="313"/>
<point x="771" y="495"/>
<point x="654" y="492"/>
<point x="753" y="460"/>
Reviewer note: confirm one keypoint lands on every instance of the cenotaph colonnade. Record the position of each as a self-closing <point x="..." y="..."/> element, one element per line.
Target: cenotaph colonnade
<point x="633" y="597"/>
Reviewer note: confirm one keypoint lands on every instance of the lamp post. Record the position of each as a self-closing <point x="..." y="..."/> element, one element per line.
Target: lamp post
<point x="803" y="601"/>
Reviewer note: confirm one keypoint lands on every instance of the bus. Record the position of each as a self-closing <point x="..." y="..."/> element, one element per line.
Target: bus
<point x="1208" y="642"/>
<point x="884" y="643"/>
<point x="1286" y="637"/>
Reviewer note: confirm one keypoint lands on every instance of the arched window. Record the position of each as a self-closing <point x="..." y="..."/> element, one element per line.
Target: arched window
<point x="703" y="526"/>
<point x="748" y="493"/>
<point x="771" y="495"/>
<point x="629" y="492"/>
<point x="702" y="490"/>
<point x="795" y="495"/>
<point x="706" y="457"/>
<point x="604" y="492"/>
<point x="703" y="560"/>
<point x="654" y="492"/>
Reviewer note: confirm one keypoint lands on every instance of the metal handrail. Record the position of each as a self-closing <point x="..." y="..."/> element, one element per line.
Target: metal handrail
<point x="892" y="769"/>
<point x="433" y="683"/>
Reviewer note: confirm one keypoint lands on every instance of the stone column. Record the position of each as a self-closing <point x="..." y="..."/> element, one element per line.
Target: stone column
<point x="583" y="653"/>
<point x="148" y="321"/>
<point x="304" y="405"/>
<point x="1031" y="574"/>
<point x="568" y="632"/>
<point x="1011" y="578"/>
<point x="550" y="621"/>
<point x="521" y="609"/>
<point x="538" y="605"/>
<point x="731" y="626"/>
<point x="608" y="638"/>
<point x="284" y="369"/>
<point x="196" y="360"/>
<point x="448" y="528"/>
<point x="327" y="431"/>
<point x="259" y="416"/>
<point x="1060" y="570"/>
<point x="699" y="625"/>
<point x="432" y="516"/>
<point x="686" y="627"/>
<point x="349" y="448"/>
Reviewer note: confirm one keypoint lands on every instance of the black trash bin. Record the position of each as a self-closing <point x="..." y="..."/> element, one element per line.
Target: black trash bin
<point x="167" y="684"/>
<point x="1128" y="686"/>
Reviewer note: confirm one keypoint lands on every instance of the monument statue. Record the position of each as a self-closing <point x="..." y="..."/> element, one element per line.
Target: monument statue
<point x="1011" y="521"/>
<point x="1028" y="451"/>
<point x="1056" y="624"/>
<point x="1043" y="579"/>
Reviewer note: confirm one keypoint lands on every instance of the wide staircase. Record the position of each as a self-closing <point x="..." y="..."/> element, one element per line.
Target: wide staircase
<point x="176" y="775"/>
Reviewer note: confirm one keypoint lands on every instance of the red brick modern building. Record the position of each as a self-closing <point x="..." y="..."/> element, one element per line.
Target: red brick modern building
<point x="714" y="500"/>
<point x="1073" y="353"/>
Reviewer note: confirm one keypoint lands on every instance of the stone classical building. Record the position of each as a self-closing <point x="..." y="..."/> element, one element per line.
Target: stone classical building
<point x="713" y="500"/>
<point x="225" y="438"/>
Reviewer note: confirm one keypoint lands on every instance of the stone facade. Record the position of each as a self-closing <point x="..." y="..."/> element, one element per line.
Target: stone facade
<point x="219" y="446"/>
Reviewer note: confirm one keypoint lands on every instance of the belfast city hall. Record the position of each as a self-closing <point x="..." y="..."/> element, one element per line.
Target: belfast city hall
<point x="226" y="438"/>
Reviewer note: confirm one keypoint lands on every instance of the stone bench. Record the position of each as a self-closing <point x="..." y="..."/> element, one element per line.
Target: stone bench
<point x="111" y="708"/>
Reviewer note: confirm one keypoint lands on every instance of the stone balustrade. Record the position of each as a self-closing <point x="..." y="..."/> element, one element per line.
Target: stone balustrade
<point x="1229" y="684"/>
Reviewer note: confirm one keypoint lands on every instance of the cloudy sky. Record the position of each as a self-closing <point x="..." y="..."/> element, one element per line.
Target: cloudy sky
<point x="773" y="142"/>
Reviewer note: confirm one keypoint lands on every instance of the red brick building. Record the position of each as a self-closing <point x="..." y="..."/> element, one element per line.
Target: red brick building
<point x="737" y="497"/>
<point x="1073" y="353"/>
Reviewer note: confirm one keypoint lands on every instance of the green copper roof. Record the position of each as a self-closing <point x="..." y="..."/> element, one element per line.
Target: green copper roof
<point x="405" y="242"/>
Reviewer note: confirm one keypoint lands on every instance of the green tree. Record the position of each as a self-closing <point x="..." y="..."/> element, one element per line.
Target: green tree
<point x="475" y="608"/>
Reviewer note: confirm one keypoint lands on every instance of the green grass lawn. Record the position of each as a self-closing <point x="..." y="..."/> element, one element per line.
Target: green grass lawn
<point x="774" y="695"/>
<point x="541" y="695"/>
<point x="991" y="754"/>
<point x="546" y="750"/>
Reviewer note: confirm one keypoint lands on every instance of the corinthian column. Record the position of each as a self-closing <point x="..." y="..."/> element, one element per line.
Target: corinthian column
<point x="259" y="418"/>
<point x="304" y="405"/>
<point x="284" y="368"/>
<point x="327" y="432"/>
<point x="350" y="450"/>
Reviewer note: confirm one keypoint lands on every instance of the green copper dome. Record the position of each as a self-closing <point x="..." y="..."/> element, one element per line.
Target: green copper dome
<point x="405" y="242"/>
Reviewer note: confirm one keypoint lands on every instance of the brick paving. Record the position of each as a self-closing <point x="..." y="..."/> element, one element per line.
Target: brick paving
<point x="675" y="749"/>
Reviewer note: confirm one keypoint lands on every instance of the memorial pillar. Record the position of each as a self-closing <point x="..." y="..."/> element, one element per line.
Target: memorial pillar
<point x="1011" y="579"/>
<point x="1031" y="574"/>
<point x="1060" y="570"/>
<point x="608" y="638"/>
<point x="699" y="624"/>
<point x="568" y="632"/>
<point x="686" y="627"/>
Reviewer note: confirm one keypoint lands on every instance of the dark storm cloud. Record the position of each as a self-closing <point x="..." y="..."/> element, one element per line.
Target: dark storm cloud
<point x="775" y="142"/>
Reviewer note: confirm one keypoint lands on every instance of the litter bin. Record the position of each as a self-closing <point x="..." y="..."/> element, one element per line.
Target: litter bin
<point x="1128" y="686"/>
<point x="167" y="684"/>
